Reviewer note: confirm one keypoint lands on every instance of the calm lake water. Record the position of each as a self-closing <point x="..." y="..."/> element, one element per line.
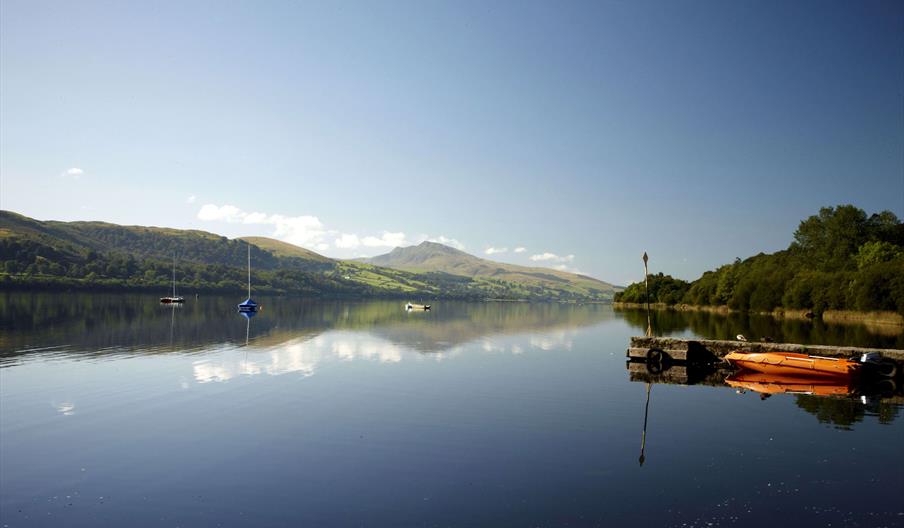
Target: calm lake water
<point x="115" y="411"/>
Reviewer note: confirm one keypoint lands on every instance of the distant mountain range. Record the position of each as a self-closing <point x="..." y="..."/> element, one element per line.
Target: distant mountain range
<point x="83" y="255"/>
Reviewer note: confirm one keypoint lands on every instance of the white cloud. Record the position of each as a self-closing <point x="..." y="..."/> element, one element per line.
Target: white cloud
<point x="551" y="257"/>
<point x="495" y="251"/>
<point x="387" y="239"/>
<point x="520" y="249"/>
<point x="74" y="173"/>
<point x="347" y="241"/>
<point x="226" y="213"/>
<point x="299" y="230"/>
<point x="191" y="199"/>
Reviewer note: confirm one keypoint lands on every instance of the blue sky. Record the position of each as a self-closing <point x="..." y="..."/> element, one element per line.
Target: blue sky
<point x="584" y="133"/>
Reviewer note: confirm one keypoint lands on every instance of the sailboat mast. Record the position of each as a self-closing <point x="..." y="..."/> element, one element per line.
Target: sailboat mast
<point x="174" y="274"/>
<point x="249" y="270"/>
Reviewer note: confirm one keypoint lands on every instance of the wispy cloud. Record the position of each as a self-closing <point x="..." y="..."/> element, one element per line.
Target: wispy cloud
<point x="569" y="269"/>
<point x="451" y="242"/>
<point x="387" y="239"/>
<point x="551" y="257"/>
<point x="74" y="173"/>
<point x="520" y="249"/>
<point x="191" y="199"/>
<point x="495" y="251"/>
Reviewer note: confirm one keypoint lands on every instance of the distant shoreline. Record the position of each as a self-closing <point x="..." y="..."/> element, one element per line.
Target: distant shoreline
<point x="12" y="283"/>
<point x="829" y="316"/>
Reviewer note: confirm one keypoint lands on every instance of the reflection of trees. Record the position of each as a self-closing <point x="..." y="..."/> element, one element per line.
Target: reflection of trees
<point x="95" y="323"/>
<point x="712" y="325"/>
<point x="843" y="413"/>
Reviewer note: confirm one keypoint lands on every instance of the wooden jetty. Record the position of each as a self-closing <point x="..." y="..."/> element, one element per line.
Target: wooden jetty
<point x="712" y="350"/>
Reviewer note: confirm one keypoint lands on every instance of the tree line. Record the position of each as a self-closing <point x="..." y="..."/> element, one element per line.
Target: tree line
<point x="840" y="259"/>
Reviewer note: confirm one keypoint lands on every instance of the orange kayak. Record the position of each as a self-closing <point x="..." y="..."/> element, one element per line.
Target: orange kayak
<point x="778" y="384"/>
<point x="788" y="363"/>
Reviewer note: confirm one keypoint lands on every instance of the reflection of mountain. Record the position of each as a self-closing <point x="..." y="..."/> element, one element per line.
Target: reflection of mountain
<point x="710" y="325"/>
<point x="101" y="324"/>
<point x="453" y="324"/>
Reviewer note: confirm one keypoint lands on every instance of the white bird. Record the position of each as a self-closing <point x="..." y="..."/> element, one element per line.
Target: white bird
<point x="740" y="337"/>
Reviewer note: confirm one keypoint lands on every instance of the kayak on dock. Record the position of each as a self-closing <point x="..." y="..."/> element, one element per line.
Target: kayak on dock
<point x="789" y="363"/>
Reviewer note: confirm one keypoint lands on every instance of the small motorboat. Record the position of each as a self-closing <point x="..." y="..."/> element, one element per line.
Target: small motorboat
<point x="792" y="364"/>
<point x="417" y="307"/>
<point x="786" y="384"/>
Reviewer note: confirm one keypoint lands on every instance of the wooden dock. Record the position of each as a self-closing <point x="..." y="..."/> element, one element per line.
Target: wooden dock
<point x="711" y="350"/>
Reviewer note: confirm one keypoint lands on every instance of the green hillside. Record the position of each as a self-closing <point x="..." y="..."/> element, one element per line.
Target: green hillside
<point x="430" y="257"/>
<point x="99" y="255"/>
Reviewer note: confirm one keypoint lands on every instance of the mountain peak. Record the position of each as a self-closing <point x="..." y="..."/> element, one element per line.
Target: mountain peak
<point x="435" y="257"/>
<point x="426" y="244"/>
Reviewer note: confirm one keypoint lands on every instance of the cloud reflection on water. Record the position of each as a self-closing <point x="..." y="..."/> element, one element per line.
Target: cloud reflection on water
<point x="306" y="355"/>
<point x="300" y="355"/>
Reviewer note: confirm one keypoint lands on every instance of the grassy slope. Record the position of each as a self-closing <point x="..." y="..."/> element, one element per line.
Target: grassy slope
<point x="284" y="249"/>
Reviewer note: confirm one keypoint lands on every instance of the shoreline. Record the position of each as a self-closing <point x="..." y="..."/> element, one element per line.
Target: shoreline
<point x="883" y="318"/>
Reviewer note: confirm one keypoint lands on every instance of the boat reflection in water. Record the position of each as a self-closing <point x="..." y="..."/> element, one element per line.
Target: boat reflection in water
<point x="769" y="384"/>
<point x="248" y="315"/>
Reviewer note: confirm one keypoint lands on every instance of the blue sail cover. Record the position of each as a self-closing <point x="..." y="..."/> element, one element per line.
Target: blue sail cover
<point x="248" y="305"/>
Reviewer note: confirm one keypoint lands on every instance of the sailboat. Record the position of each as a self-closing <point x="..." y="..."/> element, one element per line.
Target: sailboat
<point x="174" y="299"/>
<point x="248" y="305"/>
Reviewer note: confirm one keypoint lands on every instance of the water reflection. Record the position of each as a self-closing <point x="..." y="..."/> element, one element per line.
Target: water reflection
<point x="843" y="413"/>
<point x="301" y="356"/>
<point x="840" y="403"/>
<point x="473" y="414"/>
<point x="93" y="325"/>
<point x="768" y="384"/>
<point x="712" y="325"/>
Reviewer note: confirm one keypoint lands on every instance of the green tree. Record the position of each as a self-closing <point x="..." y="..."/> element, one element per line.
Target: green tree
<point x="876" y="252"/>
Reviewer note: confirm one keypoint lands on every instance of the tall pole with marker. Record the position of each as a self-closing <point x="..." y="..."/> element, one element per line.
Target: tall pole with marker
<point x="646" y="287"/>
<point x="646" y="409"/>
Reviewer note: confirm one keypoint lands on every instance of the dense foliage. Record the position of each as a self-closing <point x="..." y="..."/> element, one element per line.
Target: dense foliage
<point x="840" y="259"/>
<point x="664" y="289"/>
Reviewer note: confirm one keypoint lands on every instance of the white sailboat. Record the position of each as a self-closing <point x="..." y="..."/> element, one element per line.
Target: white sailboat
<point x="174" y="299"/>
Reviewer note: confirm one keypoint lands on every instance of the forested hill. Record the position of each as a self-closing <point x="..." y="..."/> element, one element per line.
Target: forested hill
<point x="839" y="259"/>
<point x="189" y="246"/>
<point x="86" y="255"/>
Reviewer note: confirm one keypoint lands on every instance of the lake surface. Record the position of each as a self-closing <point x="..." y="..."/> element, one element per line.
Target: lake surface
<point x="116" y="411"/>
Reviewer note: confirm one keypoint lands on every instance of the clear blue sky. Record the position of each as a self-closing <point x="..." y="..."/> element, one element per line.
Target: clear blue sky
<point x="697" y="131"/>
